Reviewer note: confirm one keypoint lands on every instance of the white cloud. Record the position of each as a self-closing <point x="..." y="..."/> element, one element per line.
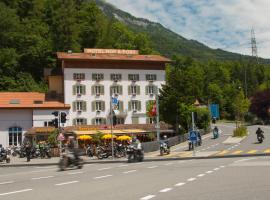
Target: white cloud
<point x="221" y="24"/>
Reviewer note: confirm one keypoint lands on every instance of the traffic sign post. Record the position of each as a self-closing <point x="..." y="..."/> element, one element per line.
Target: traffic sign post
<point x="113" y="104"/>
<point x="193" y="135"/>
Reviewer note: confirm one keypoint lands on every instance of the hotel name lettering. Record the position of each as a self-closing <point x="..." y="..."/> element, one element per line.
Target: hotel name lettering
<point x="86" y="129"/>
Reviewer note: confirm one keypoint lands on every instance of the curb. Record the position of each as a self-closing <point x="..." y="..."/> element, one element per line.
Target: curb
<point x="145" y="160"/>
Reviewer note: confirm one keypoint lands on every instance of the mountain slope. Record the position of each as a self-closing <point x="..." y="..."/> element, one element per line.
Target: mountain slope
<point x="166" y="41"/>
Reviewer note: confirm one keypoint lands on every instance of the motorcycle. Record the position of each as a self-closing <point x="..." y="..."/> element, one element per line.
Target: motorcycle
<point x="260" y="138"/>
<point x="215" y="134"/>
<point x="164" y="148"/>
<point x="134" y="154"/>
<point x="103" y="152"/>
<point x="68" y="159"/>
<point x="4" y="156"/>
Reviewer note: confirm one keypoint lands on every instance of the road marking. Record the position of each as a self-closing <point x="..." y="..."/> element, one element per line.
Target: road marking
<point x="18" y="191"/>
<point x="179" y="184"/>
<point x="191" y="179"/>
<point x="127" y="172"/>
<point x="43" y="177"/>
<point x="168" y="164"/>
<point x="223" y="152"/>
<point x="66" y="183"/>
<point x="147" y="197"/>
<point x="237" y="152"/>
<point x="209" y="172"/>
<point x="72" y="173"/>
<point x="152" y="167"/>
<point x="48" y="167"/>
<point x="99" y="177"/>
<point x="201" y="175"/>
<point x="222" y="166"/>
<point x="216" y="169"/>
<point x="252" y="151"/>
<point x="104" y="168"/>
<point x="165" y="190"/>
<point x="123" y="166"/>
<point x="8" y="182"/>
<point x="267" y="151"/>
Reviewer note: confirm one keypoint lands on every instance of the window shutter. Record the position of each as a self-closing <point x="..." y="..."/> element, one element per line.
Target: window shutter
<point x="84" y="106"/>
<point x="138" y="90"/>
<point x="155" y="90"/>
<point x="85" y="121"/>
<point x="83" y="89"/>
<point x="103" y="105"/>
<point x="147" y="120"/>
<point x="74" y="89"/>
<point x="74" y="122"/>
<point x="93" y="77"/>
<point x="102" y="90"/>
<point x="121" y="106"/>
<point x="129" y="90"/>
<point x="93" y="92"/>
<point x="139" y="105"/>
<point x="129" y="105"/>
<point x="120" y="89"/>
<point x="146" y="90"/>
<point x="74" y="106"/>
<point x="103" y="120"/>
<point x="93" y="106"/>
<point x="111" y="90"/>
<point x="93" y="121"/>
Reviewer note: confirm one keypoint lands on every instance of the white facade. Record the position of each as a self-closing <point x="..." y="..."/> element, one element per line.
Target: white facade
<point x="125" y="97"/>
<point x="42" y="117"/>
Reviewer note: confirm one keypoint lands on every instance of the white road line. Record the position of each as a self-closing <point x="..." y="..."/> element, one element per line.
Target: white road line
<point x="152" y="167"/>
<point x="43" y="177"/>
<point x="209" y="172"/>
<point x="203" y="149"/>
<point x="8" y="182"/>
<point x="168" y="164"/>
<point x="66" y="183"/>
<point x="104" y="168"/>
<point x="147" y="197"/>
<point x="72" y="173"/>
<point x="166" y="190"/>
<point x="99" y="177"/>
<point x="222" y="166"/>
<point x="48" y="167"/>
<point x="123" y="166"/>
<point x="201" y="175"/>
<point x="191" y="179"/>
<point x="179" y="184"/>
<point x="18" y="191"/>
<point x="127" y="172"/>
<point x="216" y="169"/>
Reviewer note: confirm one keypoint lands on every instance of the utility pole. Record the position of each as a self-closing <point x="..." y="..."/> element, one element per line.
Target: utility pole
<point x="111" y="112"/>
<point x="157" y="118"/>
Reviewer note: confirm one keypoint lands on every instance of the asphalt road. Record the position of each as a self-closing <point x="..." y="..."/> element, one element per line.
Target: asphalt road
<point x="228" y="178"/>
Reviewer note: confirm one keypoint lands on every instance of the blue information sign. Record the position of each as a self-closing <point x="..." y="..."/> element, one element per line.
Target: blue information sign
<point x="193" y="136"/>
<point x="214" y="109"/>
<point x="114" y="101"/>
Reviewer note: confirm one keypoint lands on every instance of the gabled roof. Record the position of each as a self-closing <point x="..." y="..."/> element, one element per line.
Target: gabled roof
<point x="28" y="100"/>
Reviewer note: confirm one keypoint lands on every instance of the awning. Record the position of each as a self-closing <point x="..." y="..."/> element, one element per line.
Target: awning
<point x="122" y="131"/>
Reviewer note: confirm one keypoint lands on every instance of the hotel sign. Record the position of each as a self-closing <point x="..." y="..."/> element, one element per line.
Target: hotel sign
<point x="112" y="51"/>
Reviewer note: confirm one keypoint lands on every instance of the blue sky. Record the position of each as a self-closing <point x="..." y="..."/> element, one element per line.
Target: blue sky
<point x="223" y="24"/>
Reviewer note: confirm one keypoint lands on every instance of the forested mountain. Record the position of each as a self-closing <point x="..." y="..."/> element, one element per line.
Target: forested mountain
<point x="166" y="41"/>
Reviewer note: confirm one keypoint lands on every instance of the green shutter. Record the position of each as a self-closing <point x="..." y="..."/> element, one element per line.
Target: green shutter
<point x="93" y="121"/>
<point x="102" y="90"/>
<point x="93" y="92"/>
<point x="103" y="105"/>
<point x="85" y="121"/>
<point x="74" y="89"/>
<point x="74" y="122"/>
<point x="138" y="92"/>
<point x="83" y="89"/>
<point x="146" y="90"/>
<point x="129" y="105"/>
<point x="84" y="106"/>
<point x="155" y="90"/>
<point x="74" y="106"/>
<point x="121" y="106"/>
<point x="139" y="106"/>
<point x="93" y="106"/>
<point x="129" y="90"/>
<point x="120" y="90"/>
<point x="103" y="120"/>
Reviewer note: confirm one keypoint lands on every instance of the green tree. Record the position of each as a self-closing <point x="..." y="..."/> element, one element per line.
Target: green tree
<point x="241" y="106"/>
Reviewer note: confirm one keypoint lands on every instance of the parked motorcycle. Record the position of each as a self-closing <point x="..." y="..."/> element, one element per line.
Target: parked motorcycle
<point x="68" y="159"/>
<point x="134" y="154"/>
<point x="103" y="152"/>
<point x="4" y="156"/>
<point x="164" y="149"/>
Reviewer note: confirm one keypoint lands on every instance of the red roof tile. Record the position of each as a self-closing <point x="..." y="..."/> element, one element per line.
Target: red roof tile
<point x="28" y="100"/>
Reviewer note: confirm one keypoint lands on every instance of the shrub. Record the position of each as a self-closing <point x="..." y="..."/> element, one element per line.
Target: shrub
<point x="240" y="131"/>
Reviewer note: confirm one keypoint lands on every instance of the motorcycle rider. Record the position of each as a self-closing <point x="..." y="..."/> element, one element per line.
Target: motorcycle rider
<point x="137" y="144"/>
<point x="71" y="147"/>
<point x="259" y="133"/>
<point x="166" y="141"/>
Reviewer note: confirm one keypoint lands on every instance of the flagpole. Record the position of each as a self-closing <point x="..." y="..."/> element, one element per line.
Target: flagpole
<point x="111" y="126"/>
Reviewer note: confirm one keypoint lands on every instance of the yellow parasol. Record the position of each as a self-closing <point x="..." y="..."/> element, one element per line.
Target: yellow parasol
<point x="108" y="136"/>
<point x="124" y="137"/>
<point x="85" y="137"/>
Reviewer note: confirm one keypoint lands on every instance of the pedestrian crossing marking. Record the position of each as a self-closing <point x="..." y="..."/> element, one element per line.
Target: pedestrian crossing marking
<point x="237" y="152"/>
<point x="223" y="152"/>
<point x="267" y="151"/>
<point x="252" y="151"/>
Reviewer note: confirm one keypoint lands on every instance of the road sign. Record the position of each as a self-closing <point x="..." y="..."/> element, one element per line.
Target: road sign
<point x="214" y="109"/>
<point x="114" y="101"/>
<point x="193" y="136"/>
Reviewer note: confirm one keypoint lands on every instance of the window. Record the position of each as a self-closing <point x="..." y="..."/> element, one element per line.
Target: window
<point x="97" y="90"/>
<point x="116" y="90"/>
<point x="99" y="121"/>
<point x="97" y="77"/>
<point x="134" y="105"/>
<point x="116" y="77"/>
<point x="78" y="89"/>
<point x="120" y="120"/>
<point x="80" y="121"/>
<point x="135" y="120"/>
<point x="151" y="77"/>
<point x="151" y="89"/>
<point x="133" y="77"/>
<point x="98" y="106"/>
<point x="78" y="76"/>
<point x="15" y="136"/>
<point x="79" y="106"/>
<point x="150" y="120"/>
<point x="134" y="90"/>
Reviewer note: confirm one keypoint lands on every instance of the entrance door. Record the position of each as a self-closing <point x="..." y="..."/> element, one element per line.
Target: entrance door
<point x="15" y="136"/>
